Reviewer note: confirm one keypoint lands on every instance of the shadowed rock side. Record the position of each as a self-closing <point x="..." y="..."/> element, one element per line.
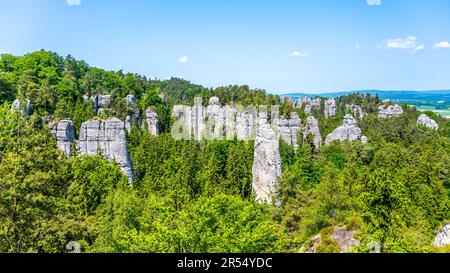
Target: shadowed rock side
<point x="312" y="128"/>
<point x="64" y="132"/>
<point x="108" y="139"/>
<point x="348" y="131"/>
<point x="390" y="111"/>
<point x="266" y="165"/>
<point x="428" y="122"/>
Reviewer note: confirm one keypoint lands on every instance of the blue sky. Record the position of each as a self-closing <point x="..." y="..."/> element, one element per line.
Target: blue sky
<point x="281" y="46"/>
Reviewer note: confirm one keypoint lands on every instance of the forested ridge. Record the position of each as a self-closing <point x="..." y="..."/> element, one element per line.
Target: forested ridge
<point x="190" y="196"/>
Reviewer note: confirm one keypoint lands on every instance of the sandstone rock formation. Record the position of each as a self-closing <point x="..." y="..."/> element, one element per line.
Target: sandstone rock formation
<point x="131" y="101"/>
<point x="356" y="110"/>
<point x="163" y="97"/>
<point x="390" y="111"/>
<point x="266" y="165"/>
<point x="151" y="120"/>
<point x="301" y="101"/>
<point x="64" y="132"/>
<point x="246" y="120"/>
<point x="443" y="237"/>
<point x="107" y="138"/>
<point x="314" y="104"/>
<point x="101" y="102"/>
<point x="182" y="128"/>
<point x="312" y="128"/>
<point x="344" y="238"/>
<point x="330" y="108"/>
<point x="428" y="122"/>
<point x="17" y="106"/>
<point x="348" y="131"/>
<point x="215" y="120"/>
<point x="289" y="129"/>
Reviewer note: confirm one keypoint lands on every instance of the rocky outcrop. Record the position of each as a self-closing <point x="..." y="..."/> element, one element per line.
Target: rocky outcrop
<point x="312" y="128"/>
<point x="64" y="132"/>
<point x="266" y="165"/>
<point x="106" y="138"/>
<point x="308" y="103"/>
<point x="163" y="97"/>
<point x="245" y="124"/>
<point x="101" y="102"/>
<point x="443" y="237"/>
<point x="198" y="115"/>
<point x="389" y="111"/>
<point x="356" y="110"/>
<point x="428" y="122"/>
<point x="314" y="104"/>
<point x="301" y="101"/>
<point x="151" y="120"/>
<point x="215" y="120"/>
<point x="341" y="236"/>
<point x="348" y="131"/>
<point x="131" y="100"/>
<point x="330" y="108"/>
<point x="18" y="106"/>
<point x="289" y="129"/>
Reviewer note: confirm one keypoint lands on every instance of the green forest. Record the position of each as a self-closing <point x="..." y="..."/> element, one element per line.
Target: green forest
<point x="196" y="197"/>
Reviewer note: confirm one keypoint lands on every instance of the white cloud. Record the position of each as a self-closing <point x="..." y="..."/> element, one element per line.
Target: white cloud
<point x="296" y="53"/>
<point x="409" y="43"/>
<point x="374" y="2"/>
<point x="183" y="59"/>
<point x="442" y="45"/>
<point x="73" y="2"/>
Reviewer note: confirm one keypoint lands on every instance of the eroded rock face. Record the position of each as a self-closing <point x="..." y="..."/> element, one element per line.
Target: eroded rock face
<point x="215" y="119"/>
<point x="107" y="138"/>
<point x="182" y="129"/>
<point x="312" y="127"/>
<point x="443" y="237"/>
<point x="390" y="111"/>
<point x="428" y="122"/>
<point x="296" y="125"/>
<point x="151" y="119"/>
<point x="330" y="108"/>
<point x="313" y="105"/>
<point x="128" y="123"/>
<point x="301" y="101"/>
<point x="348" y="131"/>
<point x="289" y="129"/>
<point x="101" y="102"/>
<point x="266" y="165"/>
<point x="18" y="106"/>
<point x="356" y="111"/>
<point x="131" y="100"/>
<point x="344" y="237"/>
<point x="163" y="97"/>
<point x="64" y="132"/>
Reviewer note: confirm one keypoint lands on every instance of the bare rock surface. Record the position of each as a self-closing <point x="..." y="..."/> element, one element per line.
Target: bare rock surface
<point x="267" y="164"/>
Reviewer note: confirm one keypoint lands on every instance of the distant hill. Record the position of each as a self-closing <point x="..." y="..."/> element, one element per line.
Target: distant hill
<point x="437" y="101"/>
<point x="408" y="97"/>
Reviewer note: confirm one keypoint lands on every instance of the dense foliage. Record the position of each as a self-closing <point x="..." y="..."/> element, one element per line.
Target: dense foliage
<point x="196" y="196"/>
